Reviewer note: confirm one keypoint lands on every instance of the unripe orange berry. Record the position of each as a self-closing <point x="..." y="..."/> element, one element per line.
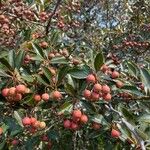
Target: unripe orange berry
<point x="84" y="119"/>
<point x="42" y="125"/>
<point x="1" y="130"/>
<point x="36" y="124"/>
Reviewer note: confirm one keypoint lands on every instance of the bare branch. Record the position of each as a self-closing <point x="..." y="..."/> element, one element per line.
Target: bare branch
<point x="53" y="13"/>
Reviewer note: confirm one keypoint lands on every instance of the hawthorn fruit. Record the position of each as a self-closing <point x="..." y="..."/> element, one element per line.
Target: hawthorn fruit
<point x="115" y="133"/>
<point x="45" y="96"/>
<point x="90" y="78"/>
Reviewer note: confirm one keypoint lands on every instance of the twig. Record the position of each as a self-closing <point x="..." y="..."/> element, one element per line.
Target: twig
<point x="130" y="127"/>
<point x="51" y="16"/>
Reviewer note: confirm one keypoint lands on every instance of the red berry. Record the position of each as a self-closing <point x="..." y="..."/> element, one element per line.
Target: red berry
<point x="97" y="88"/>
<point x="21" y="88"/>
<point x="44" y="44"/>
<point x="33" y="120"/>
<point x="95" y="96"/>
<point x="56" y="95"/>
<point x="5" y="92"/>
<point x="96" y="126"/>
<point x="90" y="78"/>
<point x="107" y="97"/>
<point x="18" y="97"/>
<point x="12" y="91"/>
<point x="37" y="97"/>
<point x="67" y="124"/>
<point x="26" y="121"/>
<point x="84" y="119"/>
<point x="115" y="133"/>
<point x="45" y="138"/>
<point x="45" y="97"/>
<point x="87" y="93"/>
<point x="1" y="130"/>
<point x="77" y="114"/>
<point x="115" y="74"/>
<point x="104" y="68"/>
<point x="119" y="84"/>
<point x="15" y="142"/>
<point x="74" y="126"/>
<point x="105" y="89"/>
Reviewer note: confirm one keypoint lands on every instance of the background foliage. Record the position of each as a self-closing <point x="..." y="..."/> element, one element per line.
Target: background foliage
<point x="53" y="46"/>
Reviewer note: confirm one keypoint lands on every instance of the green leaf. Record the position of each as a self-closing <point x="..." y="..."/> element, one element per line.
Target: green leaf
<point x="53" y="134"/>
<point x="145" y="77"/>
<point x="141" y="134"/>
<point x="54" y="37"/>
<point x="133" y="69"/>
<point x="19" y="59"/>
<point x="99" y="119"/>
<point x="132" y="90"/>
<point x="38" y="50"/>
<point x="145" y="118"/>
<point x="4" y="74"/>
<point x="18" y="118"/>
<point x="47" y="73"/>
<point x="41" y="80"/>
<point x="28" y="78"/>
<point x="32" y="142"/>
<point x="59" y="60"/>
<point x="127" y="114"/>
<point x="2" y="145"/>
<point x="61" y="74"/>
<point x="80" y="73"/>
<point x="6" y="64"/>
<point x="11" y="58"/>
<point x="66" y="107"/>
<point x="99" y="61"/>
<point x="69" y="89"/>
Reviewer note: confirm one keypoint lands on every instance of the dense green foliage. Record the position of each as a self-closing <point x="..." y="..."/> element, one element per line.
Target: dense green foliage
<point x="81" y="68"/>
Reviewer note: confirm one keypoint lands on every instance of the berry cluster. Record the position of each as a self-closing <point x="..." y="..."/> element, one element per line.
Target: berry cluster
<point x="78" y="118"/>
<point x="56" y="95"/>
<point x="14" y="94"/>
<point x="56" y="53"/>
<point x="33" y="124"/>
<point x="98" y="91"/>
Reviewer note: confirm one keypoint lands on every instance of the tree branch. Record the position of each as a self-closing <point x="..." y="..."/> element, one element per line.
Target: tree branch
<point x="130" y="127"/>
<point x="53" y="13"/>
